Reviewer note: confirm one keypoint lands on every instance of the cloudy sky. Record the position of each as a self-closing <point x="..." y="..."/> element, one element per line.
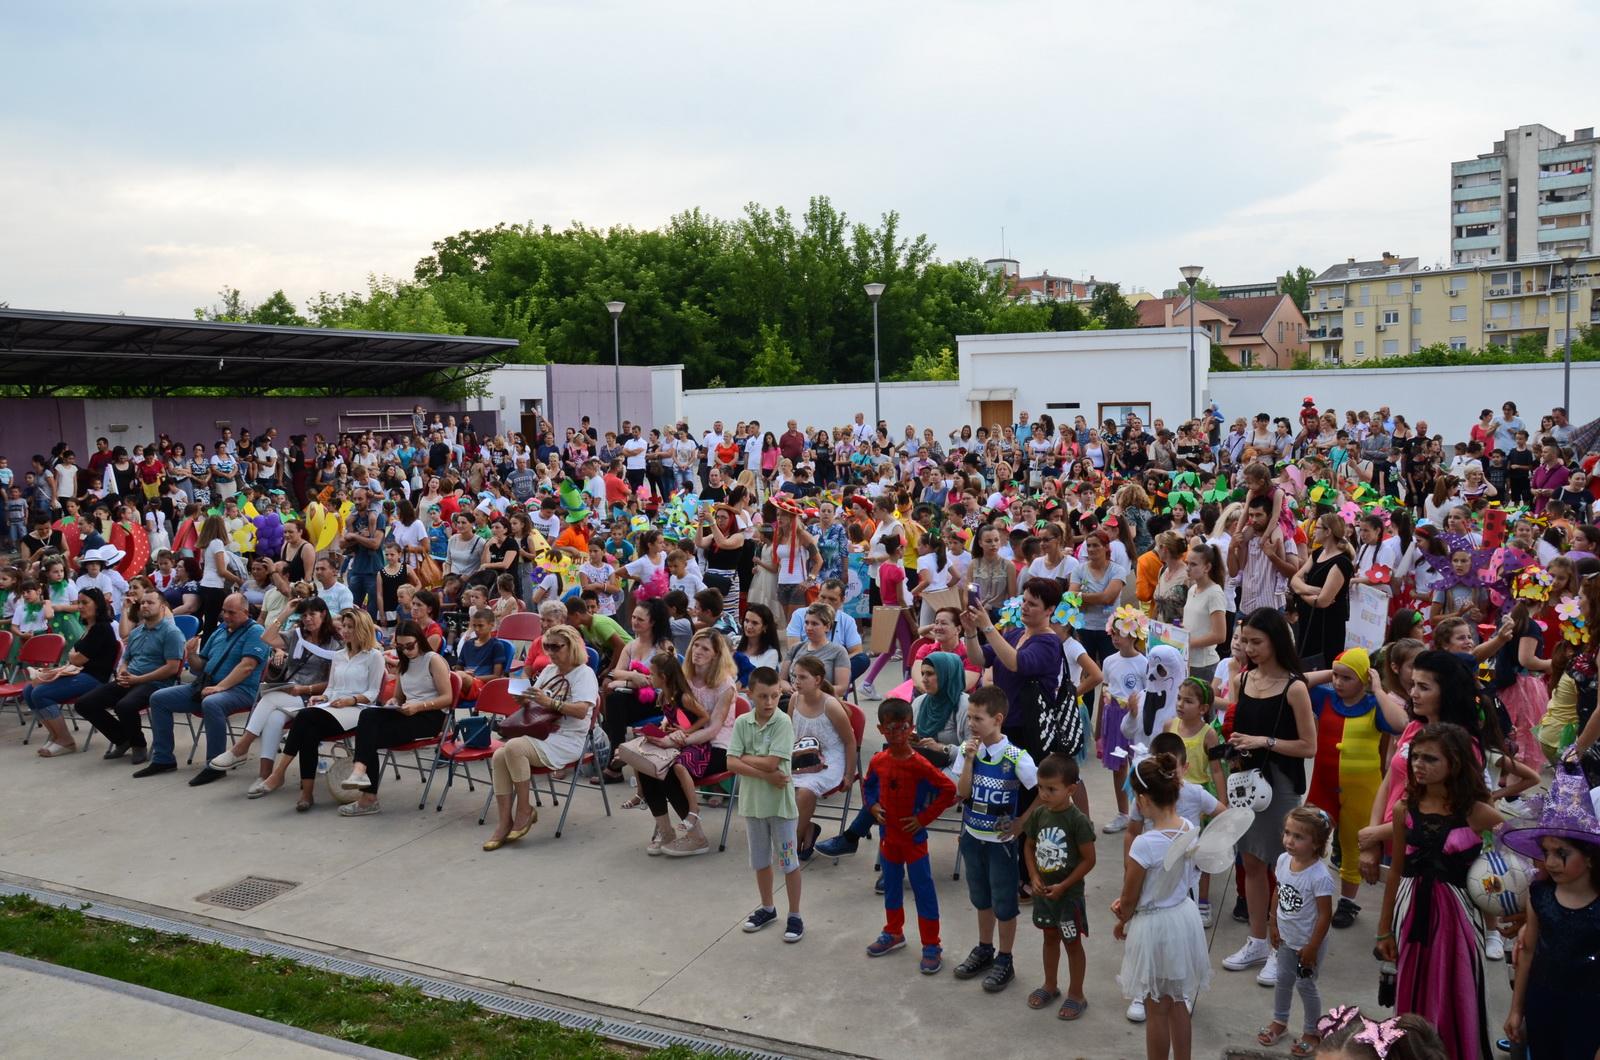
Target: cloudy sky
<point x="152" y="152"/>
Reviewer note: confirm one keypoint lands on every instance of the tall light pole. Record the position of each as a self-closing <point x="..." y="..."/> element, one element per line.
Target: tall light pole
<point x="1191" y="276"/>
<point x="616" y="351"/>
<point x="875" y="292"/>
<point x="1568" y="257"/>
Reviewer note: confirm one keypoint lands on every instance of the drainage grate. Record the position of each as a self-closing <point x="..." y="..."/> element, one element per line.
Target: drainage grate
<point x="247" y="893"/>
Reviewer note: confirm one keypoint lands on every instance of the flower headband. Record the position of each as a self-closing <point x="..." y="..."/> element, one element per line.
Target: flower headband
<point x="1129" y="621"/>
<point x="1380" y="1036"/>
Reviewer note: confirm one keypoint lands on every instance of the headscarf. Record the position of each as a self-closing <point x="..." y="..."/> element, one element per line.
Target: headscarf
<point x="939" y="707"/>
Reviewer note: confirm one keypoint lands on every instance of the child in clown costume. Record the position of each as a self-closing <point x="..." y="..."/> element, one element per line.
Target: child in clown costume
<point x="1353" y="713"/>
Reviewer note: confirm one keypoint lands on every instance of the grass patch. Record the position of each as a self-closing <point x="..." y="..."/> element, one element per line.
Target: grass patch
<point x="400" y="1019"/>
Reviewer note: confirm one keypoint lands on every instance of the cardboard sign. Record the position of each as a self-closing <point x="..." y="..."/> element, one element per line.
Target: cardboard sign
<point x="1167" y="633"/>
<point x="1494" y="527"/>
<point x="885" y="620"/>
<point x="1369" y="618"/>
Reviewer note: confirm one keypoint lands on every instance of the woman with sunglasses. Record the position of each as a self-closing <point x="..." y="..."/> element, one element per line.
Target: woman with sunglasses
<point x="566" y="688"/>
<point x="418" y="711"/>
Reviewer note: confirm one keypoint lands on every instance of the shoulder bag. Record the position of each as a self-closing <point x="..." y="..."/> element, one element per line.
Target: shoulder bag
<point x="533" y="720"/>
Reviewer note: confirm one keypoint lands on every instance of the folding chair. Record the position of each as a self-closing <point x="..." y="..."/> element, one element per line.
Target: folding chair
<point x="188" y="625"/>
<point x="8" y="669"/>
<point x="69" y="704"/>
<point x="589" y="756"/>
<point x="44" y="650"/>
<point x="493" y="699"/>
<point x="858" y="725"/>
<point x="416" y="747"/>
<point x="708" y="784"/>
<point x="523" y="629"/>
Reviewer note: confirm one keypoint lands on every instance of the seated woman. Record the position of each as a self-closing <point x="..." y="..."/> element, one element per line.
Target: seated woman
<point x="355" y="680"/>
<point x="945" y="635"/>
<point x="568" y="688"/>
<point x="425" y="611"/>
<point x="760" y="645"/>
<point x="711" y="670"/>
<point x="89" y="665"/>
<point x="818" y="716"/>
<point x="652" y="636"/>
<point x="941" y="710"/>
<point x="419" y="710"/>
<point x="683" y="719"/>
<point x="817" y="644"/>
<point x="294" y="673"/>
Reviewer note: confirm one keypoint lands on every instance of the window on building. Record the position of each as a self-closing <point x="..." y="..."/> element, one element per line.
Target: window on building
<point x="1500" y="310"/>
<point x="1560" y="303"/>
<point x="1396" y="288"/>
<point x="1366" y="294"/>
<point x="1361" y="348"/>
<point x="1416" y="286"/>
<point x="1458" y="283"/>
<point x="1391" y="316"/>
<point x="1416" y="344"/>
<point x="1458" y="312"/>
<point x="1499" y="279"/>
<point x="1280" y="331"/>
<point x="1458" y="342"/>
<point x="1361" y="319"/>
<point x="1391" y="347"/>
<point x="1561" y="336"/>
<point x="1246" y="358"/>
<point x="1416" y="318"/>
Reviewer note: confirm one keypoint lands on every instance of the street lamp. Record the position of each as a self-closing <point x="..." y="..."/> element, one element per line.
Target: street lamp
<point x="1191" y="276"/>
<point x="875" y="292"/>
<point x="1568" y="256"/>
<point x="616" y="351"/>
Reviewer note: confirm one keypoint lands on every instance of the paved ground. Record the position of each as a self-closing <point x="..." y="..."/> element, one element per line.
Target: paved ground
<point x="591" y="917"/>
<point x="59" y="1012"/>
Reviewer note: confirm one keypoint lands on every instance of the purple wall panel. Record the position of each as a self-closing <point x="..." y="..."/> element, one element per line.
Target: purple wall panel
<point x="578" y="390"/>
<point x="34" y="426"/>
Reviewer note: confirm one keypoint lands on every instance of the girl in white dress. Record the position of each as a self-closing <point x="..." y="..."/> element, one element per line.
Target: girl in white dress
<point x="818" y="715"/>
<point x="1165" y="963"/>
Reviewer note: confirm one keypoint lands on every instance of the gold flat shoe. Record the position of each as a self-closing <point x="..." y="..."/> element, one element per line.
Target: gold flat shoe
<point x="495" y="844"/>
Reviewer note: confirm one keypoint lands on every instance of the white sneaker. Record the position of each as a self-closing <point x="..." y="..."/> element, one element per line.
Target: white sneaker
<point x="1253" y="952"/>
<point x="1208" y="914"/>
<point x="1136" y="1011"/>
<point x="1118" y="823"/>
<point x="868" y="692"/>
<point x="225" y="760"/>
<point x="1494" y="948"/>
<point x="1268" y="976"/>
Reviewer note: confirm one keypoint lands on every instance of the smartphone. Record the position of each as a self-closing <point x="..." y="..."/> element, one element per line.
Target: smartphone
<point x="972" y="595"/>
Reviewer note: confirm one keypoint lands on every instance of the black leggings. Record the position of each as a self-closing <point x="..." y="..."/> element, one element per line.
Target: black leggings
<point x="379" y="728"/>
<point x="210" y="608"/>
<point x="658" y="793"/>
<point x="310" y="728"/>
<point x="622" y="710"/>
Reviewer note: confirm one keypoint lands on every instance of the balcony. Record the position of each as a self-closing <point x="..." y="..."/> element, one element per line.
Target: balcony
<point x="1562" y="209"/>
<point x="1551" y="181"/>
<point x="1476" y="242"/>
<point x="1488" y="191"/>
<point x="1476" y="217"/>
<point x="1563" y="235"/>
<point x="1484" y="165"/>
<point x="1569" y="153"/>
<point x="1515" y="291"/>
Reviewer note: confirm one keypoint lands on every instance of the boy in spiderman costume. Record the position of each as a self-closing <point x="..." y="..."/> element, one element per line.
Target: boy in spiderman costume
<point x="905" y="793"/>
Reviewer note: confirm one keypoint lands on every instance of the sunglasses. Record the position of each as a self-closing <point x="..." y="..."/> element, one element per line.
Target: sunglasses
<point x="406" y="645"/>
<point x="553" y="645"/>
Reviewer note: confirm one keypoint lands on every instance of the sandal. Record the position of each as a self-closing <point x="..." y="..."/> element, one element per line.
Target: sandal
<point x="1042" y="997"/>
<point x="56" y="750"/>
<point x="1306" y="1046"/>
<point x="303" y="805"/>
<point x="634" y="803"/>
<point x="1270" y="1036"/>
<point x="1071" y="1009"/>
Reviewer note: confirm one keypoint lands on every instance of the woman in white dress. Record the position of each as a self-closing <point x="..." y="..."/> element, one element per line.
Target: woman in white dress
<point x="355" y="681"/>
<point x="818" y="715"/>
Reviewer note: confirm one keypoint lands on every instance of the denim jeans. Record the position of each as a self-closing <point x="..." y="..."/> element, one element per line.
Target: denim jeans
<point x="364" y="591"/>
<point x="180" y="700"/>
<point x="992" y="875"/>
<point x="45" y="700"/>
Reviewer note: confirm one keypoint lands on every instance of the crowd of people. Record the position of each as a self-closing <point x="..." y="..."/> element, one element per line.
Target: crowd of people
<point x="1376" y="639"/>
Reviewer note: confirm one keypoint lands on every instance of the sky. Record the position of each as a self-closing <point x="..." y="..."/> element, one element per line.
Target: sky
<point x="151" y="153"/>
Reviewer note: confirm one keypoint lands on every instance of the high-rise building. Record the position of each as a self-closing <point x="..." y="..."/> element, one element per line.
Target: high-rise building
<point x="1530" y="198"/>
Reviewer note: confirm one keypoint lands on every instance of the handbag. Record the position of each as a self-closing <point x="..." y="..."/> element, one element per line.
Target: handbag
<point x="429" y="572"/>
<point x="647" y="758"/>
<point x="535" y="721"/>
<point x="473" y="732"/>
<point x="333" y="777"/>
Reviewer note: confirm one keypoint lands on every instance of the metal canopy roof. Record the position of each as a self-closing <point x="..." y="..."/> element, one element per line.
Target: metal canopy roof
<point x="87" y="349"/>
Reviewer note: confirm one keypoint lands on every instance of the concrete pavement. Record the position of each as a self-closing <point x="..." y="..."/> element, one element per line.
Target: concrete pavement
<point x="591" y="917"/>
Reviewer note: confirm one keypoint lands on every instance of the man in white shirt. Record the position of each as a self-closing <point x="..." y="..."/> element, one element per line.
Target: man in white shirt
<point x="752" y="447"/>
<point x="860" y="432"/>
<point x="335" y="593"/>
<point x="708" y="446"/>
<point x="633" y="455"/>
<point x="266" y="464"/>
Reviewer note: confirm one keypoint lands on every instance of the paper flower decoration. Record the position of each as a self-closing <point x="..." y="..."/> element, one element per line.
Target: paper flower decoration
<point x="1129" y="621"/>
<point x="1010" y="613"/>
<point x="1069" y="612"/>
<point x="1321" y="492"/>
<point x="1532" y="583"/>
<point x="1350" y="511"/>
<point x="639" y="523"/>
<point x="1185" y="480"/>
<point x="1378" y="574"/>
<point x="1568" y="610"/>
<point x="1573" y="627"/>
<point x="1183" y="497"/>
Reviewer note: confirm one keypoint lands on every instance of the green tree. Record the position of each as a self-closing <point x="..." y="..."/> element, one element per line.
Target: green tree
<point x="1296" y="283"/>
<point x="1111" y="309"/>
<point x="941" y="365"/>
<point x="774" y="363"/>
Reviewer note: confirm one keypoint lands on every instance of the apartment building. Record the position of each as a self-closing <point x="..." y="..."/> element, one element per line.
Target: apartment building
<point x="1264" y="331"/>
<point x="1041" y="288"/>
<point x="1530" y="198"/>
<point x="1389" y="307"/>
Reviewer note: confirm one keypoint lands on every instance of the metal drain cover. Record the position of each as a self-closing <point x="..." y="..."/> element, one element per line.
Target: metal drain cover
<point x="247" y="893"/>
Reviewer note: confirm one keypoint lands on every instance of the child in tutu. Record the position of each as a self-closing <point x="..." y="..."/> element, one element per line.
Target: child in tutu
<point x="1165" y="961"/>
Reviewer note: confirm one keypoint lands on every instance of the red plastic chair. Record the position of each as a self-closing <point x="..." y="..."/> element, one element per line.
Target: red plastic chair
<point x="590" y="757"/>
<point x="416" y="747"/>
<point x="44" y="650"/>
<point x="709" y="785"/>
<point x="493" y="698"/>
<point x="523" y="629"/>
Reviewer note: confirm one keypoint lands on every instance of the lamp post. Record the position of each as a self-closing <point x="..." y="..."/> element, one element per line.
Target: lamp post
<point x="1191" y="276"/>
<point x="1568" y="257"/>
<point x="616" y="352"/>
<point x="875" y="292"/>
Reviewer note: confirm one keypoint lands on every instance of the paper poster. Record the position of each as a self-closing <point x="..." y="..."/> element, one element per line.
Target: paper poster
<point x="1369" y="618"/>
<point x="857" y="602"/>
<point x="1167" y="633"/>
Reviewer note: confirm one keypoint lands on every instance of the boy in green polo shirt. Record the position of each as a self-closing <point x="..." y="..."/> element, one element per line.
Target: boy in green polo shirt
<point x="759" y="752"/>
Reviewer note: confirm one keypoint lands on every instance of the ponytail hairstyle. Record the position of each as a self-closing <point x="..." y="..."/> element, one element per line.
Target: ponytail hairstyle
<point x="813" y="666"/>
<point x="1202" y="688"/>
<point x="1158" y="778"/>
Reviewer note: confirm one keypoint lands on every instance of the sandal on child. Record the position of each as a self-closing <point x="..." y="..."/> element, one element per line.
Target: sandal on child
<point x="1271" y="1034"/>
<point x="1042" y="997"/>
<point x="634" y="803"/>
<point x="1306" y="1046"/>
<point x="1071" y="1009"/>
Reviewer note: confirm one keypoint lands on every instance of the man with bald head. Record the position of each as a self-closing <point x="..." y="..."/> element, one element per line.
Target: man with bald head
<point x="227" y="669"/>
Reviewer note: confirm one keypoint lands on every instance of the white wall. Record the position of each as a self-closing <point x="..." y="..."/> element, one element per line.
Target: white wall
<point x="101" y="415"/>
<point x="509" y="385"/>
<point x="936" y="405"/>
<point x="666" y="394"/>
<point x="1449" y="399"/>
